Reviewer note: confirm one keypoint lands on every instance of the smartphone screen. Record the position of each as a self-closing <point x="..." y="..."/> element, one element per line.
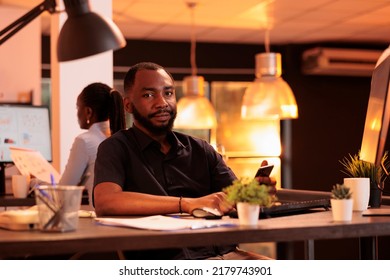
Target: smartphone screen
<point x="264" y="171"/>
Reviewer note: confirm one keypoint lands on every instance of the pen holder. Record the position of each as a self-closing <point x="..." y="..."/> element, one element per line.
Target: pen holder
<point x="58" y="207"/>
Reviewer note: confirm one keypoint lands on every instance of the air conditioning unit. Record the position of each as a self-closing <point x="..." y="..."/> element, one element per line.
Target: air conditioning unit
<point x="339" y="62"/>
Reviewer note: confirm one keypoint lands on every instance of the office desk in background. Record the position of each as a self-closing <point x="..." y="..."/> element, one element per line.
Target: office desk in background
<point x="8" y="200"/>
<point x="91" y="237"/>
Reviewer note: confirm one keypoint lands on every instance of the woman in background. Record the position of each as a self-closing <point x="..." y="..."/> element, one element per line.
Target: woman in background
<point x="99" y="110"/>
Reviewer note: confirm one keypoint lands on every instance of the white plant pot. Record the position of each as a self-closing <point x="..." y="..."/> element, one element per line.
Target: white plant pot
<point x="342" y="209"/>
<point x="248" y="214"/>
<point x="360" y="189"/>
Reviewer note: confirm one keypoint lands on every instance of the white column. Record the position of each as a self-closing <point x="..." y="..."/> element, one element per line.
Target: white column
<point x="68" y="79"/>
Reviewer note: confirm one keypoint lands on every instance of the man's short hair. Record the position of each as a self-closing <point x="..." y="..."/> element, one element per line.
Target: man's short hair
<point x="130" y="76"/>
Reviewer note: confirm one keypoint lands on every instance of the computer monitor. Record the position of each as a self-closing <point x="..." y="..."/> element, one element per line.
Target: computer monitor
<point x="23" y="126"/>
<point x="378" y="115"/>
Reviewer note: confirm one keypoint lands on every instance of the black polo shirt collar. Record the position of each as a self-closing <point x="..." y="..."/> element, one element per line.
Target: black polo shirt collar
<point x="144" y="141"/>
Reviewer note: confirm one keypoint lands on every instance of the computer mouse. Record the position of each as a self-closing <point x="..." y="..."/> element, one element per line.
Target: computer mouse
<point x="207" y="213"/>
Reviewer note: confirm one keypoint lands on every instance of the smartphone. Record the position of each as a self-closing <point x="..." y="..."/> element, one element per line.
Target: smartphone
<point x="264" y="171"/>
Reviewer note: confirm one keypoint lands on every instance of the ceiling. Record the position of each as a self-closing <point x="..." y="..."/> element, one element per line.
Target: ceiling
<point x="245" y="21"/>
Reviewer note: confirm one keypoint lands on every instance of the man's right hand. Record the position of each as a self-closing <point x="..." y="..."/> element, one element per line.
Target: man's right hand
<point x="215" y="201"/>
<point x="270" y="181"/>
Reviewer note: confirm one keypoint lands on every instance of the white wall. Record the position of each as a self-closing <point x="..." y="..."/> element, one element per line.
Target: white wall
<point x="20" y="59"/>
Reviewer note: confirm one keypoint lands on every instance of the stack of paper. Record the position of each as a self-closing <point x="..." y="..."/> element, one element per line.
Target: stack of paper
<point x="160" y="222"/>
<point x="20" y="219"/>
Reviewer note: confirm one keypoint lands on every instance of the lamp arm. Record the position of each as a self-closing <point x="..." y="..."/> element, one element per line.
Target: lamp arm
<point x="13" y="28"/>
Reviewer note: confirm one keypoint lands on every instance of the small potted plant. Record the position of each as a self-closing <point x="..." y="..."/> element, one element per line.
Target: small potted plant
<point x="248" y="195"/>
<point x="354" y="167"/>
<point x="341" y="202"/>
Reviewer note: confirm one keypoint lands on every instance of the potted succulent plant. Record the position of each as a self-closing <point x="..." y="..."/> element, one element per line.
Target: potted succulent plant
<point x="354" y="167"/>
<point x="341" y="202"/>
<point x="249" y="195"/>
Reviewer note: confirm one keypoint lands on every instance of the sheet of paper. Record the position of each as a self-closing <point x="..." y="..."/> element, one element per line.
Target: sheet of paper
<point x="31" y="162"/>
<point x="159" y="222"/>
<point x="376" y="212"/>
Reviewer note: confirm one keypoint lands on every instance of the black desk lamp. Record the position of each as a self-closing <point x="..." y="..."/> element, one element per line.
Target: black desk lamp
<point x="83" y="34"/>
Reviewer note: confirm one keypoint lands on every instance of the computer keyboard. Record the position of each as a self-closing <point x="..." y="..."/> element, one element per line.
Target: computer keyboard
<point x="294" y="202"/>
<point x="288" y="207"/>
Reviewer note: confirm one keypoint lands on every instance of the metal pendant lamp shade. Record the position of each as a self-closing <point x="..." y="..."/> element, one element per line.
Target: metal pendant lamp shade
<point x="269" y="96"/>
<point x="86" y="33"/>
<point x="194" y="110"/>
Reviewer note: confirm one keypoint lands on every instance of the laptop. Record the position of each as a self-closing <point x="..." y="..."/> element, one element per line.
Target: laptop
<point x="291" y="202"/>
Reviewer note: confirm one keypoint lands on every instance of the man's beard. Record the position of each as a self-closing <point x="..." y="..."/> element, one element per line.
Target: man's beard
<point x="154" y="129"/>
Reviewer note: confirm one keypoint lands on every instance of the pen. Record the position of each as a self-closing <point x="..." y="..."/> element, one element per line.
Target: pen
<point x="46" y="199"/>
<point x="52" y="181"/>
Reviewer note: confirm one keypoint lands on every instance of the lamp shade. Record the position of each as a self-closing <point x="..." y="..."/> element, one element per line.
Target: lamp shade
<point x="194" y="110"/>
<point x="269" y="96"/>
<point x="86" y="33"/>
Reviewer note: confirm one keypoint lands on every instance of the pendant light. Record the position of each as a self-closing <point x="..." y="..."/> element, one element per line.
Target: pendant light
<point x="269" y="96"/>
<point x="194" y="110"/>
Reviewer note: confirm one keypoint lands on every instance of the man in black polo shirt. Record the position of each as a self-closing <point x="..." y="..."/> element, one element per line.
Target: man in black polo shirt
<point x="150" y="169"/>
